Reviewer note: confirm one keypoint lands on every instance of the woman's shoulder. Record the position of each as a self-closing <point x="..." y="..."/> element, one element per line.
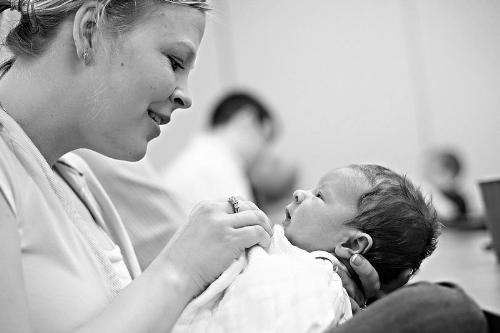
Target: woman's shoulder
<point x="74" y="163"/>
<point x="11" y="174"/>
<point x="77" y="172"/>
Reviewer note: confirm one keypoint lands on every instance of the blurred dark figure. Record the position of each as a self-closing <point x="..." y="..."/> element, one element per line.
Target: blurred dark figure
<point x="216" y="162"/>
<point x="273" y="180"/>
<point x="444" y="174"/>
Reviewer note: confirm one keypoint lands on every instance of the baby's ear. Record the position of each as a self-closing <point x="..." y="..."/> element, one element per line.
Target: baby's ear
<point x="357" y="243"/>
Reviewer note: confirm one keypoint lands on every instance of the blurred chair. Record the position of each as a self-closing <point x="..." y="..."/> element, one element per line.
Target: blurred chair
<point x="490" y="191"/>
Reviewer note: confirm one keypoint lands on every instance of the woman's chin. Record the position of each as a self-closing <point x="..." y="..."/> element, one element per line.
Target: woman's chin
<point x="134" y="156"/>
<point x="130" y="155"/>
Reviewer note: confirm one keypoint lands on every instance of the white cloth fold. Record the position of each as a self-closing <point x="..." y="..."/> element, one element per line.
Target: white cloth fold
<point x="283" y="289"/>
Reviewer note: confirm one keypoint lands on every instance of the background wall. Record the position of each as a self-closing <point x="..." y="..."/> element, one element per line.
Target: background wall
<point x="357" y="81"/>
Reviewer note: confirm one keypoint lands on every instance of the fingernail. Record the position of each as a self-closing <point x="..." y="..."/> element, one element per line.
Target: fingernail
<point x="356" y="260"/>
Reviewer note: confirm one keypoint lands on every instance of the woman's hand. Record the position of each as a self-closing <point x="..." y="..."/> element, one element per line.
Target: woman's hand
<point x="370" y="283"/>
<point x="214" y="237"/>
<point x="368" y="276"/>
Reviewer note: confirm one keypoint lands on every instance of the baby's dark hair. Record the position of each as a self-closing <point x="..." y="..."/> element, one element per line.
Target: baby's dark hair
<point x="402" y="224"/>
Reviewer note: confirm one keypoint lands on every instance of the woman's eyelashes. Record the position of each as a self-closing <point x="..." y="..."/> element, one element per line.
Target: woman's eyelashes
<point x="175" y="63"/>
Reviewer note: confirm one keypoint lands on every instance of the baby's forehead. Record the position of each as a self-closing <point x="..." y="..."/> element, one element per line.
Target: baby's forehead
<point x="342" y="175"/>
<point x="344" y="179"/>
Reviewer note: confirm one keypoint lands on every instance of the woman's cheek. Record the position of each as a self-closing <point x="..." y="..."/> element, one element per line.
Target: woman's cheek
<point x="162" y="87"/>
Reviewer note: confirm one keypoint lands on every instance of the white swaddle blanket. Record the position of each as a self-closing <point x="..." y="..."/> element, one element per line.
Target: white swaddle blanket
<point x="283" y="289"/>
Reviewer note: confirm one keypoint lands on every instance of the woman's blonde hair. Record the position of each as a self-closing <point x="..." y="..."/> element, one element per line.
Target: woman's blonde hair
<point x="40" y="19"/>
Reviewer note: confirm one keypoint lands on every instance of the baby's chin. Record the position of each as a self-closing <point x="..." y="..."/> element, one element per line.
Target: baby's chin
<point x="299" y="244"/>
<point x="290" y="235"/>
<point x="297" y="239"/>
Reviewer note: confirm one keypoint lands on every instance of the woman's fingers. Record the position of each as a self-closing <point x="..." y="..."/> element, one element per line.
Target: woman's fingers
<point x="248" y="214"/>
<point x="354" y="305"/>
<point x="353" y="290"/>
<point x="367" y="275"/>
<point x="251" y="217"/>
<point x="242" y="204"/>
<point x="215" y="236"/>
<point x="253" y="235"/>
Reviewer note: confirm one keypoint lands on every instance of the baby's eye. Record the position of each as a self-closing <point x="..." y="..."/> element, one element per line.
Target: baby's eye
<point x="319" y="195"/>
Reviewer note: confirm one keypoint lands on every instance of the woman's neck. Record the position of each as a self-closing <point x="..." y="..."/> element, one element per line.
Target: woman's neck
<point x="32" y="96"/>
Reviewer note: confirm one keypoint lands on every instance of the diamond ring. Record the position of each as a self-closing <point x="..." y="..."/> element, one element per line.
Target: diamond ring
<point x="235" y="203"/>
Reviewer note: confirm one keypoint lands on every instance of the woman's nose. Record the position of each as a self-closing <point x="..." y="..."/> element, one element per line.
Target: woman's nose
<point x="299" y="196"/>
<point x="181" y="98"/>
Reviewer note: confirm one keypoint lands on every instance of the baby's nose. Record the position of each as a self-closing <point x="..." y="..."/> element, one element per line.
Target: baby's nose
<point x="299" y="196"/>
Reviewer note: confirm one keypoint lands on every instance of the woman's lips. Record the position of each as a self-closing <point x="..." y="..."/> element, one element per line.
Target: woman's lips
<point x="159" y="118"/>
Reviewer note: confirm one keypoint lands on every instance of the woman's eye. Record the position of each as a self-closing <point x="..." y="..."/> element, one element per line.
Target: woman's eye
<point x="319" y="195"/>
<point x="175" y="64"/>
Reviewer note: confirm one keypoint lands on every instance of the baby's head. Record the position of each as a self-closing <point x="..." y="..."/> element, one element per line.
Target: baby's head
<point x="365" y="209"/>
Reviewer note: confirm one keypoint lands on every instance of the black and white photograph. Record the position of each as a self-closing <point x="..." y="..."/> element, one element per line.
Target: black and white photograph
<point x="250" y="166"/>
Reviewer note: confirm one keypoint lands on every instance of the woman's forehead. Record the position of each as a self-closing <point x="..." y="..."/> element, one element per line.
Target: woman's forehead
<point x="167" y="20"/>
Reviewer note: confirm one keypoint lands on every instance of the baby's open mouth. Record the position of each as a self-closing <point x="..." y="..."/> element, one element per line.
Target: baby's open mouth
<point x="288" y="218"/>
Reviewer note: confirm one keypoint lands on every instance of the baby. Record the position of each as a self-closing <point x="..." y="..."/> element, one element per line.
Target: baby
<point x="364" y="209"/>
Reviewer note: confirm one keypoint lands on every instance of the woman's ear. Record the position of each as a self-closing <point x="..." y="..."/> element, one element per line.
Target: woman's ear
<point x="357" y="243"/>
<point x="84" y="28"/>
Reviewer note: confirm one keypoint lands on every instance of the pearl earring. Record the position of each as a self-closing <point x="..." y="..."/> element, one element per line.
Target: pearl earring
<point x="86" y="56"/>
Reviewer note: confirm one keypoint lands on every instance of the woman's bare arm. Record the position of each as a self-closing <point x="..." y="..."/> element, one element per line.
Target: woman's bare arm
<point x="197" y="254"/>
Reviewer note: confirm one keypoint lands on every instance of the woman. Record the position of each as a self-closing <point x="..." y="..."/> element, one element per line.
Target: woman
<point x="101" y="75"/>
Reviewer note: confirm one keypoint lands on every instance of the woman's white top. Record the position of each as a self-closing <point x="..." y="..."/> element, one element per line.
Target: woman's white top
<point x="115" y="257"/>
<point x="69" y="277"/>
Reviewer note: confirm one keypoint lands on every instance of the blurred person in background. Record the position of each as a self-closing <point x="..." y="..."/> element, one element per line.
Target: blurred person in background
<point x="216" y="163"/>
<point x="444" y="173"/>
<point x="273" y="180"/>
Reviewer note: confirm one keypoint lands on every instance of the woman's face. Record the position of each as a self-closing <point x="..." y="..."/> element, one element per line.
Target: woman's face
<point x="140" y="79"/>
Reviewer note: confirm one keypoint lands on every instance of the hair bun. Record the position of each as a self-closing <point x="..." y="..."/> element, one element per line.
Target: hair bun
<point x="16" y="5"/>
<point x="5" y="4"/>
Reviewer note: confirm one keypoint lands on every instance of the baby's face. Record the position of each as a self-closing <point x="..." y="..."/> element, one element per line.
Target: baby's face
<point x="315" y="219"/>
